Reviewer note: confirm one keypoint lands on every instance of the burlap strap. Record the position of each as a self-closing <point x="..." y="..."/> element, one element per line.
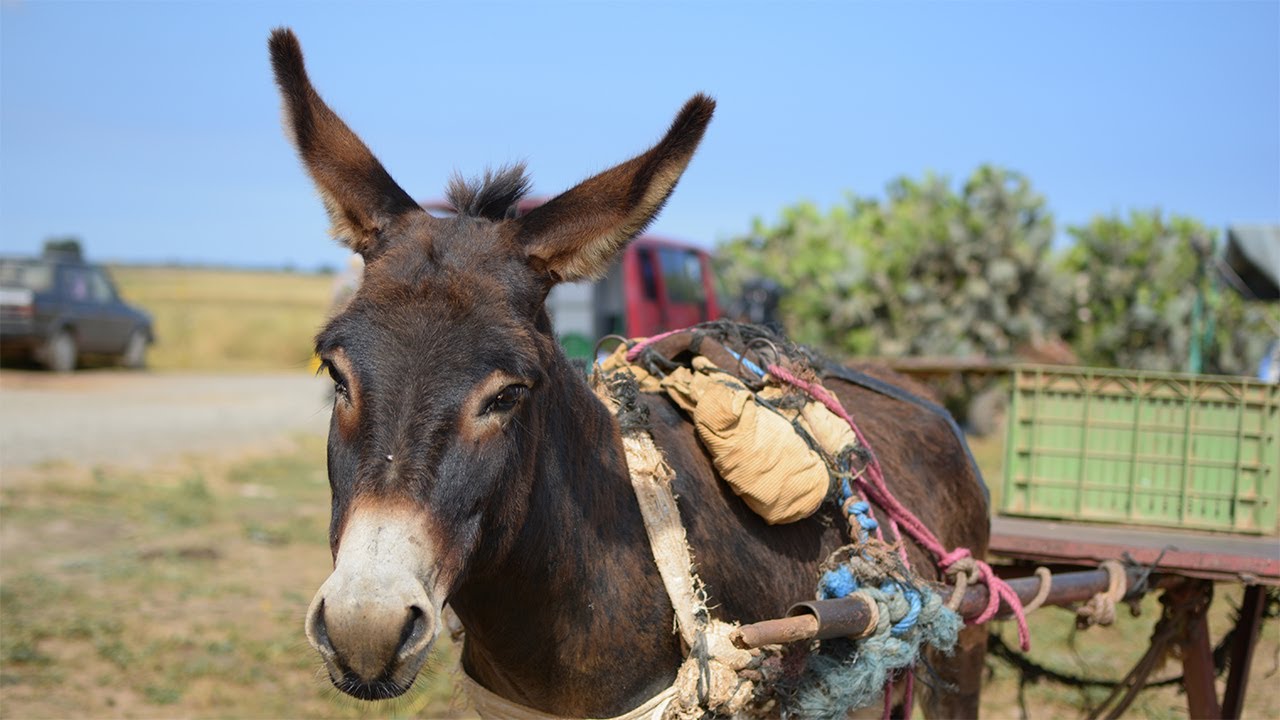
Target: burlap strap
<point x="709" y="677"/>
<point x="651" y="479"/>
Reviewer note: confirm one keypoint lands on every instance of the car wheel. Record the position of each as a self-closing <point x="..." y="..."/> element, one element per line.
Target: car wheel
<point x="60" y="352"/>
<point x="135" y="351"/>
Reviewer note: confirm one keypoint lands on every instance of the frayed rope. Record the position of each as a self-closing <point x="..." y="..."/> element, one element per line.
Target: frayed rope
<point x="873" y="485"/>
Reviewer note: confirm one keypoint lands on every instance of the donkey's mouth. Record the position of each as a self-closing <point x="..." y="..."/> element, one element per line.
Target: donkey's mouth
<point x="385" y="689"/>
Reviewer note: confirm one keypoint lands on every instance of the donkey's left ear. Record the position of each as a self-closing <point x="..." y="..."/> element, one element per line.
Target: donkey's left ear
<point x="575" y="235"/>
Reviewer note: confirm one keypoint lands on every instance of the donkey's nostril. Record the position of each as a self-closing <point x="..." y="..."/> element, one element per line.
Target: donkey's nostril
<point x="416" y="632"/>
<point x="317" y="631"/>
<point x="370" y="639"/>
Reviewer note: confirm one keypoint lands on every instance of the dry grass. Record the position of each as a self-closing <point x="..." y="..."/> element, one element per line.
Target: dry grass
<point x="228" y="319"/>
<point x="178" y="592"/>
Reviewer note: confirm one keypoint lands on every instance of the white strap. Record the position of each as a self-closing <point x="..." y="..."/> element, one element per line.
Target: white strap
<point x="651" y="478"/>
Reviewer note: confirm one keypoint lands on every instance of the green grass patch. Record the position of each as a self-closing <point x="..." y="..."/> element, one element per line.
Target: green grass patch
<point x="188" y="505"/>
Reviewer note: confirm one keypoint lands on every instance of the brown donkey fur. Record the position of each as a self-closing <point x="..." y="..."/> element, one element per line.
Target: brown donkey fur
<point x="471" y="464"/>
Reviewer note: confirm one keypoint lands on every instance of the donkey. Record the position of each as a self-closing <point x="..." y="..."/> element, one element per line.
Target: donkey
<point x="470" y="463"/>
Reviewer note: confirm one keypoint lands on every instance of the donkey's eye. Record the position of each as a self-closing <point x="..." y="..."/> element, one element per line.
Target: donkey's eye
<point x="339" y="382"/>
<point x="506" y="399"/>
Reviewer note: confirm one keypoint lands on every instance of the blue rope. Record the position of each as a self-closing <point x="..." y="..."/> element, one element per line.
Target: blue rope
<point x="914" y="603"/>
<point x="840" y="582"/>
<point x="841" y="679"/>
<point x="837" y="583"/>
<point x="861" y="512"/>
<point x="749" y="365"/>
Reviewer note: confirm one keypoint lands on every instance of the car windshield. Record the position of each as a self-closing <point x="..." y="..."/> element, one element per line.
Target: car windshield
<point x="30" y="274"/>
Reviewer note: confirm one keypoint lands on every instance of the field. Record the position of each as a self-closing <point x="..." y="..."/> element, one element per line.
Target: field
<point x="175" y="592"/>
<point x="228" y="320"/>
<point x="178" y="590"/>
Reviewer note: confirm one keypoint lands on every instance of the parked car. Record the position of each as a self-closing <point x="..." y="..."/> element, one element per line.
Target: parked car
<point x="57" y="308"/>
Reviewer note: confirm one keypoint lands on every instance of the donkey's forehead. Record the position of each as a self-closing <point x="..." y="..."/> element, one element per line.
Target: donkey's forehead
<point x="456" y="259"/>
<point x="397" y="344"/>
<point x="435" y="296"/>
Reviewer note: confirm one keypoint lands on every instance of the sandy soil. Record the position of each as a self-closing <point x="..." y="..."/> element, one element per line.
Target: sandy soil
<point x="129" y="418"/>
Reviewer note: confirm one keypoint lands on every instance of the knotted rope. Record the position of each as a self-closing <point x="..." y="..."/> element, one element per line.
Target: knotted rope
<point x="1101" y="608"/>
<point x="907" y="617"/>
<point x="872" y="484"/>
<point x="1042" y="592"/>
<point x="863" y="524"/>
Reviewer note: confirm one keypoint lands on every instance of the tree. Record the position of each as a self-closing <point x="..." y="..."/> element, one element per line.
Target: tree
<point x="1143" y="298"/>
<point x="926" y="271"/>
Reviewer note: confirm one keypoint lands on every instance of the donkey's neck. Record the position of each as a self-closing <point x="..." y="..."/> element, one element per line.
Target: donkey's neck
<point x="574" y="619"/>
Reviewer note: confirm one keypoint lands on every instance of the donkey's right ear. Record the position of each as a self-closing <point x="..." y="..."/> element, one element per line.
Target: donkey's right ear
<point x="362" y="200"/>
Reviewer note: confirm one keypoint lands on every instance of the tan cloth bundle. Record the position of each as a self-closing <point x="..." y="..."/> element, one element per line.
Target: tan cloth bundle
<point x="755" y="449"/>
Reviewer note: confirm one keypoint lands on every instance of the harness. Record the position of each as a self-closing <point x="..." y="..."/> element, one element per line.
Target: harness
<point x="784" y="444"/>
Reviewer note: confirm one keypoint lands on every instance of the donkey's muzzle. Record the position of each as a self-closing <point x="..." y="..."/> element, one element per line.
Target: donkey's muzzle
<point x="373" y="621"/>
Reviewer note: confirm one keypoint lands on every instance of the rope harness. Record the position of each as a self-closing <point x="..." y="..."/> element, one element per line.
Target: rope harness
<point x="816" y="446"/>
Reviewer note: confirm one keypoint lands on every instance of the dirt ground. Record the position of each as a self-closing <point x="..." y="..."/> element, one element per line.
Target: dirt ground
<point x="137" y="418"/>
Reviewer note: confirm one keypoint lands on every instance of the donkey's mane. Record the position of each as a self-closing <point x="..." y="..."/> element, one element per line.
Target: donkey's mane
<point x="492" y="197"/>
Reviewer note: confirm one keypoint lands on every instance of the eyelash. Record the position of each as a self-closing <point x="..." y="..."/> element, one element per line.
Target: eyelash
<point x="339" y="382"/>
<point x="506" y="399"/>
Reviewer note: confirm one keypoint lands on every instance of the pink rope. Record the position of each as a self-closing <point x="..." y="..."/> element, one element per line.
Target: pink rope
<point x="902" y="547"/>
<point x="634" y="352"/>
<point x="888" y="699"/>
<point x="908" y="696"/>
<point x="873" y="484"/>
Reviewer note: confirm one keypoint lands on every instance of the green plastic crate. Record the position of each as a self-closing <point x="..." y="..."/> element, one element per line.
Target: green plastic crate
<point x="1188" y="451"/>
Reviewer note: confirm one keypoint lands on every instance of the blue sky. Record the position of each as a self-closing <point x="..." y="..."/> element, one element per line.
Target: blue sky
<point x="152" y="129"/>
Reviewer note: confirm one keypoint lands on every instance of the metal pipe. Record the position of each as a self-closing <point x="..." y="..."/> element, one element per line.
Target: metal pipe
<point x="775" y="632"/>
<point x="855" y="619"/>
<point x="1066" y="588"/>
<point x="854" y="616"/>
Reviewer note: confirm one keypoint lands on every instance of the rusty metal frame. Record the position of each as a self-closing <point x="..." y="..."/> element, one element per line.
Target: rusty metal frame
<point x="1231" y="558"/>
<point x="1185" y="624"/>
<point x="1248" y="628"/>
<point x="849" y="616"/>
